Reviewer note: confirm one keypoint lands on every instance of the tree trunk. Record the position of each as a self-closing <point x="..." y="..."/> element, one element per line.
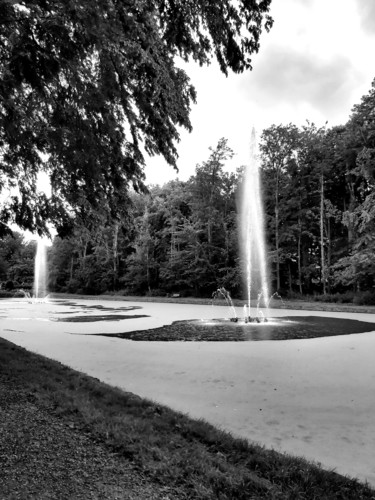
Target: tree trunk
<point x="148" y="268"/>
<point x="290" y="277"/>
<point x="71" y="268"/>
<point x="84" y="242"/>
<point x="329" y="254"/>
<point x="299" y="255"/>
<point x="278" y="284"/>
<point x="322" y="256"/>
<point x="351" y="207"/>
<point x="115" y="255"/>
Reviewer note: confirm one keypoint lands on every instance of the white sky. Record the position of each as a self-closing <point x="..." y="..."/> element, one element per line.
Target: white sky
<point x="315" y="64"/>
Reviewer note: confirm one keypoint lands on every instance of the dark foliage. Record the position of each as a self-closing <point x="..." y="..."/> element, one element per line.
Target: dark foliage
<point x="87" y="87"/>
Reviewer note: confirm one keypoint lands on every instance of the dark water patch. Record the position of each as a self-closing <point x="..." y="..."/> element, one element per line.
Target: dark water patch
<point x="94" y="318"/>
<point x="285" y="328"/>
<point x="94" y="307"/>
<point x="63" y="301"/>
<point x="105" y="308"/>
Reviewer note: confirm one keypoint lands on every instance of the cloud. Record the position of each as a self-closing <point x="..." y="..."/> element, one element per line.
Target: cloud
<point x="288" y="76"/>
<point x="366" y="11"/>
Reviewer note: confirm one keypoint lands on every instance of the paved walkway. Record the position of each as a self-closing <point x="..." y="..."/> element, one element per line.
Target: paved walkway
<point x="313" y="398"/>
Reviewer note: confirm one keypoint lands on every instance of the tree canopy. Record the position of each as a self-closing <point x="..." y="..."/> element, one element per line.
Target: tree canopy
<point x="87" y="88"/>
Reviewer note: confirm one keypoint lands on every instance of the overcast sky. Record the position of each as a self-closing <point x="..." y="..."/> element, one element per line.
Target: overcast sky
<point x="315" y="64"/>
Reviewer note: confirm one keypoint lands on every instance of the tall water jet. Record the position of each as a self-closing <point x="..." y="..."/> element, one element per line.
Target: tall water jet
<point x="252" y="236"/>
<point x="40" y="270"/>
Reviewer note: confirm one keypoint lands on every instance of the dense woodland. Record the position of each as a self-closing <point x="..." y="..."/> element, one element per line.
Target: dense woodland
<point x="182" y="237"/>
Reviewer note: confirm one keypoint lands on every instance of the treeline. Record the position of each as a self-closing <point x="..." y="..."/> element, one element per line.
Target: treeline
<point x="179" y="238"/>
<point x="320" y="202"/>
<point x="319" y="199"/>
<point x="16" y="263"/>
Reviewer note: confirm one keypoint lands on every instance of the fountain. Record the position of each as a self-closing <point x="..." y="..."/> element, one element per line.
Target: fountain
<point x="252" y="245"/>
<point x="222" y="292"/>
<point x="252" y="239"/>
<point x="40" y="271"/>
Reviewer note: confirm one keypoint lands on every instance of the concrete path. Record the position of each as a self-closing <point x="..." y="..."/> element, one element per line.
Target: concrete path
<point x="312" y="398"/>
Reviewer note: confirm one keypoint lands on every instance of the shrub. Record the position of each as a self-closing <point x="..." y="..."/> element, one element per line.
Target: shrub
<point x="157" y="292"/>
<point x="292" y="295"/>
<point x="323" y="298"/>
<point x="364" y="298"/>
<point x="347" y="297"/>
<point x="9" y="285"/>
<point x="186" y="292"/>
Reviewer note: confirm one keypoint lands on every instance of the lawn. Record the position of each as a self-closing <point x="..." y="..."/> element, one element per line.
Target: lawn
<point x="123" y="446"/>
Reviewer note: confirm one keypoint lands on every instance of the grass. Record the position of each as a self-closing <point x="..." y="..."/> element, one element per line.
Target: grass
<point x="306" y="303"/>
<point x="198" y="460"/>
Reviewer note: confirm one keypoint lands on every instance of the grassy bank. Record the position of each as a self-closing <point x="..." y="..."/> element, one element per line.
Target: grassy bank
<point x="276" y="304"/>
<point x="179" y="458"/>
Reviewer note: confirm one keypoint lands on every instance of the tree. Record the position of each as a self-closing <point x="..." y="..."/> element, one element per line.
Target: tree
<point x="185" y="233"/>
<point x="90" y="260"/>
<point x="17" y="260"/>
<point x="304" y="181"/>
<point x="356" y="268"/>
<point x="87" y="87"/>
<point x="213" y="219"/>
<point x="175" y="206"/>
<point x="278" y="148"/>
<point x="315" y="159"/>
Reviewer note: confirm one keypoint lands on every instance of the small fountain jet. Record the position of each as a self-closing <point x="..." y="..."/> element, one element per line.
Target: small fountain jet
<point x="222" y="292"/>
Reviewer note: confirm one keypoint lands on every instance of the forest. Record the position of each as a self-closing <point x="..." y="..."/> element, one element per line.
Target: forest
<point x="182" y="237"/>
